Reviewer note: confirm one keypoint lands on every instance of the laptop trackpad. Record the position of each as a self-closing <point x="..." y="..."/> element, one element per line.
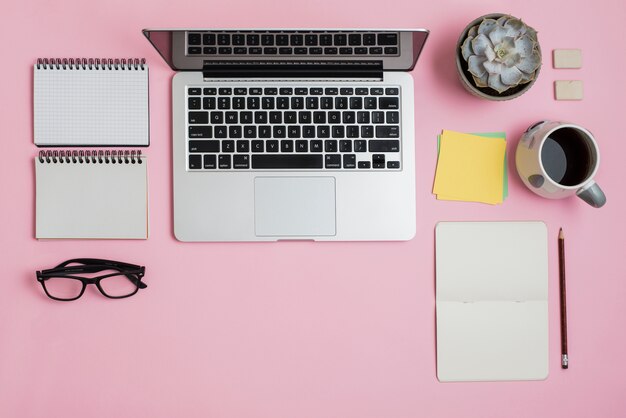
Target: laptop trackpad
<point x="294" y="206"/>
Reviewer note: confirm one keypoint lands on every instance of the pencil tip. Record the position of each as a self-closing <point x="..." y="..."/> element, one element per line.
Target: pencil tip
<point x="561" y="233"/>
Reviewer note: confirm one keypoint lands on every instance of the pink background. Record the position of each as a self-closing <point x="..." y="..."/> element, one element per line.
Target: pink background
<point x="305" y="329"/>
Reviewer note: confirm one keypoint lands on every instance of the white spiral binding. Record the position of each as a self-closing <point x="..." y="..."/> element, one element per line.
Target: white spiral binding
<point x="91" y="64"/>
<point x="91" y="157"/>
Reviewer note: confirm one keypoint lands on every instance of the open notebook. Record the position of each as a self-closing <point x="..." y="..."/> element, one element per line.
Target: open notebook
<point x="91" y="194"/>
<point x="492" y="301"/>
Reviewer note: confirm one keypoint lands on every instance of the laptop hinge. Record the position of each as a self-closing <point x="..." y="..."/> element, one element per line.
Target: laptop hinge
<point x="293" y="69"/>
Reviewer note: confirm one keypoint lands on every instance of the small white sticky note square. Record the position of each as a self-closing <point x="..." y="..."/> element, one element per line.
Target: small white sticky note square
<point x="568" y="90"/>
<point x="567" y="58"/>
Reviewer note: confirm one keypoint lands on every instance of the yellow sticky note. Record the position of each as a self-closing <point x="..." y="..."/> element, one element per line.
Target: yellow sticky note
<point x="470" y="168"/>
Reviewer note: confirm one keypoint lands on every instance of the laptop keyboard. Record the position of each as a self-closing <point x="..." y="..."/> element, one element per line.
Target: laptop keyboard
<point x="314" y="128"/>
<point x="289" y="43"/>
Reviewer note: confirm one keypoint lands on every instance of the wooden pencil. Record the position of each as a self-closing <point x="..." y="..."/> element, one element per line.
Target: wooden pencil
<point x="564" y="358"/>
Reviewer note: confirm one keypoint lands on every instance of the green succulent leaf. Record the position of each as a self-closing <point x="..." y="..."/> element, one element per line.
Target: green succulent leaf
<point x="466" y="48"/>
<point x="495" y="83"/>
<point x="486" y="25"/>
<point x="475" y="65"/>
<point x="531" y="63"/>
<point x="511" y="76"/>
<point x="480" y="44"/>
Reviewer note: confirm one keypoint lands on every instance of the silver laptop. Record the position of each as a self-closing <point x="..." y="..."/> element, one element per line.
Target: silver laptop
<point x="292" y="134"/>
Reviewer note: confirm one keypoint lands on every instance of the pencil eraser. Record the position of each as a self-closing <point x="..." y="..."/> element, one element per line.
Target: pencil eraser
<point x="567" y="58"/>
<point x="568" y="90"/>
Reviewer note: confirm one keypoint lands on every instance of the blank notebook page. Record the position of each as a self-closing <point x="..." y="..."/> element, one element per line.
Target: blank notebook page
<point x="101" y="106"/>
<point x="492" y="301"/>
<point x="91" y="200"/>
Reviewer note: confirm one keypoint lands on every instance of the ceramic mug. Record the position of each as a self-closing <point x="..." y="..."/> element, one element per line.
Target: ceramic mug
<point x="557" y="160"/>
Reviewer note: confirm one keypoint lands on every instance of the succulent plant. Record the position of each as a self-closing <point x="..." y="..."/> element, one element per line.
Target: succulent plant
<point x="501" y="53"/>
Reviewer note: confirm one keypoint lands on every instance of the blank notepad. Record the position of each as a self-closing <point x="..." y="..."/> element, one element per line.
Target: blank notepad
<point x="492" y="301"/>
<point x="100" y="197"/>
<point x="91" y="103"/>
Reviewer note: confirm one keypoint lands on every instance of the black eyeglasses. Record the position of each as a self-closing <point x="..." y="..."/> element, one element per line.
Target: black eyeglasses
<point x="65" y="281"/>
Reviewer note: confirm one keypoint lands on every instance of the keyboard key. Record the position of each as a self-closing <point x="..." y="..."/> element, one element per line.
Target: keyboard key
<point x="249" y="131"/>
<point x="341" y="103"/>
<point x="349" y="161"/>
<point x="346" y="91"/>
<point x="255" y="91"/>
<point x="231" y="117"/>
<point x="330" y="145"/>
<point x="360" y="51"/>
<point x="270" y="51"/>
<point x="267" y="39"/>
<point x="315" y="51"/>
<point x="217" y="117"/>
<point x="234" y="131"/>
<point x="377" y="91"/>
<point x="285" y="91"/>
<point x="334" y="117"/>
<point x="393" y="164"/>
<point x="257" y="146"/>
<point x="271" y="91"/>
<point x="302" y="146"/>
<point x="253" y="39"/>
<point x="194" y="103"/>
<point x="364" y="164"/>
<point x="369" y="39"/>
<point x="209" y="50"/>
<point x="308" y="131"/>
<point x="323" y="131"/>
<point x="312" y="102"/>
<point x="300" y="51"/>
<point x="316" y="145"/>
<point x="388" y="103"/>
<point x="276" y="117"/>
<point x="297" y="102"/>
<point x="210" y="91"/>
<point x="356" y="102"/>
<point x="223" y="91"/>
<point x="376" y="50"/>
<point x="286" y="145"/>
<point x="363" y="117"/>
<point x="223" y="102"/>
<point x="228" y="146"/>
<point x="378" y="117"/>
<point x="210" y="162"/>
<point x="208" y="39"/>
<point x="326" y="103"/>
<point x="341" y="39"/>
<point x="370" y="103"/>
<point x="393" y="117"/>
<point x="310" y="40"/>
<point x="200" y="131"/>
<point x="238" y="39"/>
<point x="241" y="91"/>
<point x="195" y="161"/>
<point x="345" y="145"/>
<point x="354" y="39"/>
<point x="352" y="131"/>
<point x="304" y="117"/>
<point x="367" y="131"/>
<point x="223" y="161"/>
<point x="326" y="40"/>
<point x="288" y="161"/>
<point x="329" y="51"/>
<point x="331" y="91"/>
<point x="384" y="146"/>
<point x="255" y="50"/>
<point x="387" y="131"/>
<point x="225" y="50"/>
<point x="282" y="40"/>
<point x="220" y="131"/>
<point x="348" y="117"/>
<point x="362" y="91"/>
<point x="271" y="146"/>
<point x="223" y="39"/>
<point x="297" y="40"/>
<point x="241" y="161"/>
<point x="240" y="50"/>
<point x="360" y="146"/>
<point x="253" y="102"/>
<point x="204" y="146"/>
<point x="260" y="117"/>
<point x="293" y="131"/>
<point x="345" y="51"/>
<point x="199" y="117"/>
<point x="378" y="161"/>
<point x="282" y="103"/>
<point x="338" y="131"/>
<point x="290" y="117"/>
<point x="391" y="50"/>
<point x="302" y="91"/>
<point x="209" y="103"/>
<point x="280" y="131"/>
<point x="319" y="117"/>
<point x="387" y="39"/>
<point x="285" y="51"/>
<point x="317" y="91"/>
<point x="333" y="161"/>
<point x="267" y="102"/>
<point x="265" y="131"/>
<point x="194" y="91"/>
<point x="194" y="50"/>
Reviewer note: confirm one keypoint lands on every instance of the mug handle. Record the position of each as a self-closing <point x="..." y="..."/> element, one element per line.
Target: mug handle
<point x="592" y="194"/>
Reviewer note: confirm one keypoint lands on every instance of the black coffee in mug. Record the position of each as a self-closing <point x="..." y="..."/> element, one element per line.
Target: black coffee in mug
<point x="567" y="156"/>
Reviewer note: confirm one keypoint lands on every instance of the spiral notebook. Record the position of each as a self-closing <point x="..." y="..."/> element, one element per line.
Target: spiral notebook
<point x="91" y="102"/>
<point x="91" y="194"/>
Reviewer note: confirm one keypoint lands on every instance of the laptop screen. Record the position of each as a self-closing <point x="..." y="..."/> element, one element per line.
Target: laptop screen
<point x="192" y="49"/>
